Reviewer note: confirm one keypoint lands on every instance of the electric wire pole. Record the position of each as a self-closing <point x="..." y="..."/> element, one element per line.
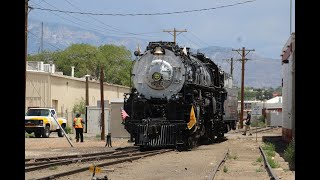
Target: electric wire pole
<point x="102" y="105"/>
<point x="242" y="79"/>
<point x="41" y="50"/>
<point x="231" y="66"/>
<point x="25" y="42"/>
<point x="87" y="100"/>
<point x="175" y="33"/>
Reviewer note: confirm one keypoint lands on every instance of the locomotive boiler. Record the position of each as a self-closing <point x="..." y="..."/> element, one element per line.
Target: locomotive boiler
<point x="177" y="98"/>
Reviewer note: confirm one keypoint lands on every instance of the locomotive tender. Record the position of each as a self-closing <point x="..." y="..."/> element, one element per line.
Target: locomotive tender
<point x="177" y="98"/>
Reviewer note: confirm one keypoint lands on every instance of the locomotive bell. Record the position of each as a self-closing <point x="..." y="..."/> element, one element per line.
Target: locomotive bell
<point x="158" y="50"/>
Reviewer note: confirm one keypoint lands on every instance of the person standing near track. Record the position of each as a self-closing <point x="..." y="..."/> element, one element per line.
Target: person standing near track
<point x="248" y="123"/>
<point x="78" y="123"/>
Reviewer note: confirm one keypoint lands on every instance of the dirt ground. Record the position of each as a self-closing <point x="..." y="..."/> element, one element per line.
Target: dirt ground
<point x="195" y="164"/>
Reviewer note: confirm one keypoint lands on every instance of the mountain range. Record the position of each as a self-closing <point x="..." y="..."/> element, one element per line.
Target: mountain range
<point x="259" y="71"/>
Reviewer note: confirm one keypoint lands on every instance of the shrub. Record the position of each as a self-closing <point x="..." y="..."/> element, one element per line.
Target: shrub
<point x="269" y="146"/>
<point x="270" y="153"/>
<point x="272" y="162"/>
<point x="259" y="159"/>
<point x="225" y="169"/>
<point x="68" y="130"/>
<point x="289" y="154"/>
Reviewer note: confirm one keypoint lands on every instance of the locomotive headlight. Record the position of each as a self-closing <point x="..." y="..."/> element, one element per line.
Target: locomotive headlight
<point x="156" y="76"/>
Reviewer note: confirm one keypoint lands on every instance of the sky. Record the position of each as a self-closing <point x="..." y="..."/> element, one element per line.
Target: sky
<point x="263" y="25"/>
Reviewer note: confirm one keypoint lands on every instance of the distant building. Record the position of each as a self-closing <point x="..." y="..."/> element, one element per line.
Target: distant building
<point x="288" y="89"/>
<point x="275" y="94"/>
<point x="273" y="111"/>
<point x="47" y="88"/>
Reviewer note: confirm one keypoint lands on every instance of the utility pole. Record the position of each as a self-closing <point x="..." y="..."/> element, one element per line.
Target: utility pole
<point x="102" y="105"/>
<point x="242" y="79"/>
<point x="290" y="15"/>
<point x="41" y="37"/>
<point x="175" y="33"/>
<point x="25" y="42"/>
<point x="231" y="66"/>
<point x="87" y="100"/>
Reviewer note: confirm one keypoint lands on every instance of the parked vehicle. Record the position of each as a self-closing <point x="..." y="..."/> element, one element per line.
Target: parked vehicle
<point x="43" y="121"/>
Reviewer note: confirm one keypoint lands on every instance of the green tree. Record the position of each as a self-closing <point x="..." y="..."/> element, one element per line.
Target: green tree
<point x="84" y="57"/>
<point x="88" y="59"/>
<point x="79" y="106"/>
<point x="45" y="56"/>
<point x="117" y="64"/>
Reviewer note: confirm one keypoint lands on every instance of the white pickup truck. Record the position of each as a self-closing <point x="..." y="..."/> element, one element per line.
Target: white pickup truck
<point x="42" y="121"/>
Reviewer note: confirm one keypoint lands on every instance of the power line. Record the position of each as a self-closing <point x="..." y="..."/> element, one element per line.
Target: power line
<point x="115" y="33"/>
<point x="144" y="14"/>
<point x="91" y="16"/>
<point x="45" y="42"/>
<point x="199" y="38"/>
<point x="113" y="28"/>
<point x="191" y="41"/>
<point x="81" y="20"/>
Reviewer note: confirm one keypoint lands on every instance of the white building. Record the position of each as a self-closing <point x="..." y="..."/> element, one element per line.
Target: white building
<point x="288" y="88"/>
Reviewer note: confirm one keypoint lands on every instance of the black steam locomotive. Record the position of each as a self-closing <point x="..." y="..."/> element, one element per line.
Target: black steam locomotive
<point x="177" y="98"/>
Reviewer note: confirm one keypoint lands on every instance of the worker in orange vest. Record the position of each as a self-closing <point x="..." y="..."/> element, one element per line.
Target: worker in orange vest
<point x="78" y="125"/>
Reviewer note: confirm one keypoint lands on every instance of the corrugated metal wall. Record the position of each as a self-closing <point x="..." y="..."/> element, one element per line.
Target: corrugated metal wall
<point x="117" y="128"/>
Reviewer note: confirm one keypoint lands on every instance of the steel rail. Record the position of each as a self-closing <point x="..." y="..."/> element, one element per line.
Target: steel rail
<point x="49" y="161"/>
<point x="271" y="173"/>
<point x="66" y="173"/>
<point x="76" y="156"/>
<point x="93" y="158"/>
<point x="220" y="163"/>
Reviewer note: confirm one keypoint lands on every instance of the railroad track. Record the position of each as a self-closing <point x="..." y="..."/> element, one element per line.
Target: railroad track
<point x="256" y="129"/>
<point x="48" y="159"/>
<point x="268" y="168"/>
<point x="64" y="160"/>
<point x="219" y="164"/>
<point x="271" y="173"/>
<point x="98" y="160"/>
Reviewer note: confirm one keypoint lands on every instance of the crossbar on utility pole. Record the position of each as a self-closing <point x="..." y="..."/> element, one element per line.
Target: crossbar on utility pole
<point x="243" y="55"/>
<point x="102" y="105"/>
<point x="175" y="33"/>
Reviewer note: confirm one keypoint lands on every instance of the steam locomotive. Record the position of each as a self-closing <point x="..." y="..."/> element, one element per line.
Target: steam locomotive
<point x="178" y="98"/>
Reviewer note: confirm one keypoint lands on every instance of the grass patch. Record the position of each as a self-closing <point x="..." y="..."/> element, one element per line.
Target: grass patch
<point x="258" y="124"/>
<point x="272" y="162"/>
<point x="269" y="150"/>
<point x="225" y="169"/>
<point x="98" y="135"/>
<point x="269" y="147"/>
<point x="235" y="156"/>
<point x="53" y="167"/>
<point x="259" y="170"/>
<point x="270" y="153"/>
<point x="27" y="135"/>
<point x="68" y="130"/>
<point x="259" y="159"/>
<point x="289" y="154"/>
